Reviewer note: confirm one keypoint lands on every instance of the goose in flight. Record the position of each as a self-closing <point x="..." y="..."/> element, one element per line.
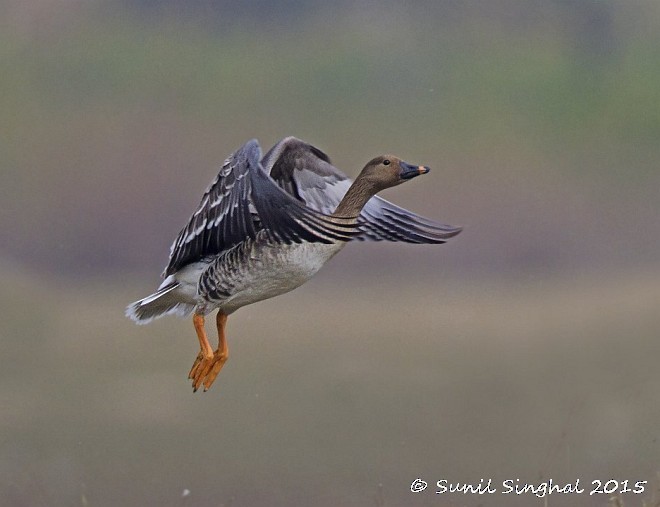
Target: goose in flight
<point x="265" y="226"/>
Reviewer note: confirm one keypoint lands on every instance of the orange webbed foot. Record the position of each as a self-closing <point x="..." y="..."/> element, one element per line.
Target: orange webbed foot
<point x="208" y="364"/>
<point x="205" y="370"/>
<point x="195" y="366"/>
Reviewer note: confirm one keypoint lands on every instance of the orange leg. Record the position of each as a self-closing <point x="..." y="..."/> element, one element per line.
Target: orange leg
<point x="208" y="363"/>
<point x="205" y="350"/>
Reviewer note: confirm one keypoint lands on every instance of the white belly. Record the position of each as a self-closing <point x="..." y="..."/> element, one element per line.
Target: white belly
<point x="272" y="270"/>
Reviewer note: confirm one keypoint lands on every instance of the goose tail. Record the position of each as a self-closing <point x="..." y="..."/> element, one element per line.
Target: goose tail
<point x="162" y="302"/>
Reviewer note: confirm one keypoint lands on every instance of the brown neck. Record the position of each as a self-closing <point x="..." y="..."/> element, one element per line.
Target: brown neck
<point x="355" y="199"/>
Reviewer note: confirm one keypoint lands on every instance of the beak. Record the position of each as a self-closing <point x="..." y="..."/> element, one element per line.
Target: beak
<point x="409" y="171"/>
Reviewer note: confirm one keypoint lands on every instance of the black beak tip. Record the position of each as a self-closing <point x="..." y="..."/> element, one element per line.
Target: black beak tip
<point x="410" y="171"/>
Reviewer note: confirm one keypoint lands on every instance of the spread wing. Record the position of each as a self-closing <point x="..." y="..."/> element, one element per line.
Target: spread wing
<point x="306" y="173"/>
<point x="243" y="200"/>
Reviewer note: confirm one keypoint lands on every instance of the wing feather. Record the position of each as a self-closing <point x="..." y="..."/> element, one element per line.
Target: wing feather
<point x="218" y="224"/>
<point x="306" y="173"/>
<point x="242" y="200"/>
<point x="289" y="220"/>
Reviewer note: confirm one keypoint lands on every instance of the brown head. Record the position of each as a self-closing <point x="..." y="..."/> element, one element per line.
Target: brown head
<point x="380" y="173"/>
<point x="388" y="171"/>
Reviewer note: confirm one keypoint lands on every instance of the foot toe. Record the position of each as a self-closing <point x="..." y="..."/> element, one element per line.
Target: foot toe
<point x="205" y="371"/>
<point x="195" y="366"/>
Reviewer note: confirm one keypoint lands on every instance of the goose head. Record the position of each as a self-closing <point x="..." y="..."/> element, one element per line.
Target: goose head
<point x="388" y="171"/>
<point x="380" y="173"/>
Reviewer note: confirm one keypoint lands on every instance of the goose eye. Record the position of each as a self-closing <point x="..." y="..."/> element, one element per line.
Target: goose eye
<point x="386" y="162"/>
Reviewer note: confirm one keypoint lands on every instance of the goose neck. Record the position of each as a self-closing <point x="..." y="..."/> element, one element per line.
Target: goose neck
<point x="357" y="196"/>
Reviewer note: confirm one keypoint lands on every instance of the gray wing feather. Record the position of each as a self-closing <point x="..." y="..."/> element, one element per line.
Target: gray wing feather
<point x="242" y="200"/>
<point x="306" y="173"/>
<point x="222" y="219"/>
<point x="383" y="220"/>
<point x="288" y="220"/>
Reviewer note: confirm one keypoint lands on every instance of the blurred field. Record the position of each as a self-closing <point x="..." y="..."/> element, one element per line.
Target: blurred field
<point x="336" y="394"/>
<point x="527" y="347"/>
<point x="114" y="121"/>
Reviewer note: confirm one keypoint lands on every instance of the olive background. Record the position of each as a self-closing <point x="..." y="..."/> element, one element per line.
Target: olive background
<point x="525" y="348"/>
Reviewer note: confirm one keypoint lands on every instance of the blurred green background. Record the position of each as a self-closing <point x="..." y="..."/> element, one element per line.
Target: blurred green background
<point x="525" y="348"/>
